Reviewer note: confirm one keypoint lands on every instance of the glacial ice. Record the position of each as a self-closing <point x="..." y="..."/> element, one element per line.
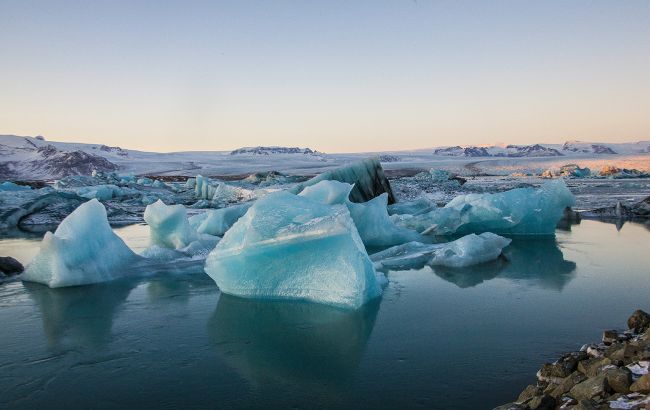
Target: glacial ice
<point x="367" y="176"/>
<point x="10" y="186"/>
<point x="371" y="218"/>
<point x="218" y="221"/>
<point x="521" y="211"/>
<point x="328" y="192"/>
<point x="290" y="247"/>
<point x="375" y="226"/>
<point x="169" y="225"/>
<point x="469" y="250"/>
<point x="83" y="250"/>
<point x="415" y="207"/>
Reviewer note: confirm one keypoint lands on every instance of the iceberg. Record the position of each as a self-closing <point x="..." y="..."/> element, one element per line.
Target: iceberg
<point x="416" y="207"/>
<point x="371" y="218"/>
<point x="217" y="222"/>
<point x="10" y="186"/>
<point x="169" y="226"/>
<point x="469" y="250"/>
<point x="367" y="176"/>
<point x="290" y="247"/>
<point x="375" y="226"/>
<point x="521" y="211"/>
<point x="83" y="249"/>
<point x="328" y="192"/>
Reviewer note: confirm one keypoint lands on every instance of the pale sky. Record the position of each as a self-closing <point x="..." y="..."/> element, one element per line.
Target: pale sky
<point x="337" y="76"/>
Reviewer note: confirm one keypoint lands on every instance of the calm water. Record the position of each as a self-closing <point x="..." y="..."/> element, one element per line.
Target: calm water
<point x="437" y="339"/>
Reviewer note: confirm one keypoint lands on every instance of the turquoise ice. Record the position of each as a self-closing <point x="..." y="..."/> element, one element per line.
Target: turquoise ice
<point x="83" y="249"/>
<point x="522" y="211"/>
<point x="290" y="247"/>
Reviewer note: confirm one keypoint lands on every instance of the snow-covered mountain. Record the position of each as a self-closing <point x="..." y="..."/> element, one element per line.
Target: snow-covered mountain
<point x="509" y="151"/>
<point x="273" y="151"/>
<point x="35" y="158"/>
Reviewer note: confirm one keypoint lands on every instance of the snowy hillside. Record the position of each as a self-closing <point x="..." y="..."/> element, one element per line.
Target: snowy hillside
<point x="35" y="158"/>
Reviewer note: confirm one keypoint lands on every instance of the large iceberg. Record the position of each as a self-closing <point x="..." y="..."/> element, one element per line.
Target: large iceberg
<point x="367" y="176"/>
<point x="83" y="249"/>
<point x="521" y="211"/>
<point x="469" y="250"/>
<point x="371" y="218"/>
<point x="169" y="226"/>
<point x="290" y="247"/>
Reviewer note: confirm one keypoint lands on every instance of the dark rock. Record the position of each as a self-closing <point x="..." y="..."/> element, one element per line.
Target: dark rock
<point x="591" y="367"/>
<point x="639" y="321"/>
<point x="544" y="402"/>
<point x="636" y="350"/>
<point x="593" y="388"/>
<point x="567" y="384"/>
<point x="10" y="266"/>
<point x="512" y="406"/>
<point x="586" y="405"/>
<point x="619" y="380"/>
<point x="610" y="336"/>
<point x="557" y="371"/>
<point x="528" y="393"/>
<point x="642" y="385"/>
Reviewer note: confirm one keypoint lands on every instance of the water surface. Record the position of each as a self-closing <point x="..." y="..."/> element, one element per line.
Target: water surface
<point x="439" y="338"/>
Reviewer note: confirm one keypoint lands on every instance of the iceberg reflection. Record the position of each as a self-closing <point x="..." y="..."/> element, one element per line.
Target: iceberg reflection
<point x="538" y="262"/>
<point x="290" y="341"/>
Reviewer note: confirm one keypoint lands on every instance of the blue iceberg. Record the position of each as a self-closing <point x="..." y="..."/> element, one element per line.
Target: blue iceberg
<point x="290" y="247"/>
<point x="169" y="226"/>
<point x="83" y="249"/>
<point x="469" y="250"/>
<point x="521" y="211"/>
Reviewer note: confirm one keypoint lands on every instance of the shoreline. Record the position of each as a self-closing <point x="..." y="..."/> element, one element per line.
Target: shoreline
<point x="609" y="374"/>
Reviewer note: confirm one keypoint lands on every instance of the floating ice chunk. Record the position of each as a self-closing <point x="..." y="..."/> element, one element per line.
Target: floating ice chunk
<point x="217" y="222"/>
<point x="227" y="194"/>
<point x="169" y="226"/>
<point x="375" y="226"/>
<point x="190" y="183"/>
<point x="469" y="250"/>
<point x="100" y="192"/>
<point x="10" y="186"/>
<point x="203" y="187"/>
<point x="83" y="249"/>
<point x="523" y="211"/>
<point x="419" y="206"/>
<point x="367" y="176"/>
<point x="289" y="247"/>
<point x="328" y="192"/>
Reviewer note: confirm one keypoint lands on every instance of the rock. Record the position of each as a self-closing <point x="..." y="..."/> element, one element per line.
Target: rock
<point x="639" y="321"/>
<point x="585" y="405"/>
<point x="567" y="384"/>
<point x="591" y="367"/>
<point x="595" y="387"/>
<point x="544" y="402"/>
<point x="619" y="379"/>
<point x="642" y="385"/>
<point x="557" y="371"/>
<point x="528" y="393"/>
<point x="636" y="350"/>
<point x="610" y="336"/>
<point x="511" y="406"/>
<point x="10" y="266"/>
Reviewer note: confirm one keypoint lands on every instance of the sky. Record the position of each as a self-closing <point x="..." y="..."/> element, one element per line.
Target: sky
<point x="337" y="76"/>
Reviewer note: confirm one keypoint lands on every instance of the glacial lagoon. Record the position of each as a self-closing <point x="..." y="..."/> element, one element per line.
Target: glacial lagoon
<point x="438" y="337"/>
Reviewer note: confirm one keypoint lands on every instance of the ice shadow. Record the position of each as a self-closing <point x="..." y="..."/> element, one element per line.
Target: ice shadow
<point x="535" y="262"/>
<point x="290" y="341"/>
